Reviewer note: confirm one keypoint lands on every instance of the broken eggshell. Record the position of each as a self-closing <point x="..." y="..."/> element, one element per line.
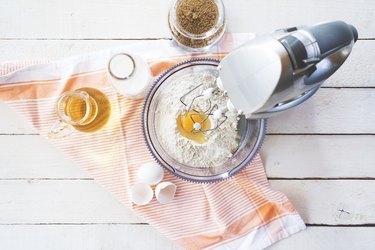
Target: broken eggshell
<point x="165" y="192"/>
<point x="141" y="194"/>
<point x="150" y="173"/>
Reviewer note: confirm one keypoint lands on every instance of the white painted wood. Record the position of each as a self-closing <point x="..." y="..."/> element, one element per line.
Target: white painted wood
<point x="34" y="157"/>
<point x="82" y="201"/>
<point x="319" y="156"/>
<point x="12" y="123"/>
<point x="119" y="237"/>
<point x="337" y="238"/>
<point x="57" y="201"/>
<point x="147" y="18"/>
<point x="36" y="201"/>
<point x="333" y="202"/>
<point x="328" y="111"/>
<point x="93" y="237"/>
<point x="53" y="49"/>
<point x="360" y="59"/>
<point x="358" y="69"/>
<point x="84" y="19"/>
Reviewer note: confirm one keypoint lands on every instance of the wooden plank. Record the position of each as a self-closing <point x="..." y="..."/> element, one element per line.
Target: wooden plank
<point x="34" y="157"/>
<point x="146" y="18"/>
<point x="314" y="156"/>
<point x="333" y="202"/>
<point x="12" y="123"/>
<point x="356" y="72"/>
<point x="83" y="237"/>
<point x="265" y="16"/>
<point x="329" y="238"/>
<point x="53" y="49"/>
<point x="36" y="201"/>
<point x="42" y="201"/>
<point x="339" y="202"/>
<point x="319" y="156"/>
<point x="133" y="237"/>
<point x="85" y="19"/>
<point x="329" y="111"/>
<point x="358" y="69"/>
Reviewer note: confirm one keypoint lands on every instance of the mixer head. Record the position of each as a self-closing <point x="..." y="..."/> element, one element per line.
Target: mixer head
<point x="272" y="73"/>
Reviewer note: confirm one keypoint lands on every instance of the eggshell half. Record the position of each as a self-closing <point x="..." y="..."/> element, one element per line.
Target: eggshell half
<point x="165" y="192"/>
<point x="150" y="173"/>
<point x="141" y="193"/>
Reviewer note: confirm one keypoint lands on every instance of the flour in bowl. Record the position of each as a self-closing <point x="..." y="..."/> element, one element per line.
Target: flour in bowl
<point x="222" y="142"/>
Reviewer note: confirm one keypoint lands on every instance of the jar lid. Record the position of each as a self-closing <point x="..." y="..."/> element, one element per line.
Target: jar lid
<point x="121" y="66"/>
<point x="130" y="75"/>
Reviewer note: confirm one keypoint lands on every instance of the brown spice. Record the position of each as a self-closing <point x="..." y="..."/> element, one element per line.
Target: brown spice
<point x="196" y="43"/>
<point x="197" y="16"/>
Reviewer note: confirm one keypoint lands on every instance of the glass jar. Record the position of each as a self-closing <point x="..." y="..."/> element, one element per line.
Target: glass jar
<point x="196" y="42"/>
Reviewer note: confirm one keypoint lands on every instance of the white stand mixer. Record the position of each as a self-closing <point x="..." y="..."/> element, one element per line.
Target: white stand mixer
<point x="273" y="73"/>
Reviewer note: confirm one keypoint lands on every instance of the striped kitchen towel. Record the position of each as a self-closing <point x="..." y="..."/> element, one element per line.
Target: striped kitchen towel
<point x="240" y="213"/>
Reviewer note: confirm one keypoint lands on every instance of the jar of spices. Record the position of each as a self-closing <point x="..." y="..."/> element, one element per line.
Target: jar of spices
<point x="197" y="24"/>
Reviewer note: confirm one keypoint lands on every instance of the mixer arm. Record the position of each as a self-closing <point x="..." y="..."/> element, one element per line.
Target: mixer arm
<point x="326" y="67"/>
<point x="332" y="36"/>
<point x="335" y="40"/>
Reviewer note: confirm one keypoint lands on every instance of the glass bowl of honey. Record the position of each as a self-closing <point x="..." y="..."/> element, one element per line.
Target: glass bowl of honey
<point x="247" y="138"/>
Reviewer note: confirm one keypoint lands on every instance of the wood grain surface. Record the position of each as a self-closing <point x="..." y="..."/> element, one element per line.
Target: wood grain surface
<point x="321" y="154"/>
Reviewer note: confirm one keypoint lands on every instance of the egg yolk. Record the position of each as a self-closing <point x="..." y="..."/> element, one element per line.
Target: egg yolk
<point x="185" y="125"/>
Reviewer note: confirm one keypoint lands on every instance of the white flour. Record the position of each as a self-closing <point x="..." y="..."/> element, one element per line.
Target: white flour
<point x="222" y="143"/>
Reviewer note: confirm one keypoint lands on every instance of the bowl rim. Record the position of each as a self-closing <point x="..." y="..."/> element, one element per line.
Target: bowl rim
<point x="180" y="174"/>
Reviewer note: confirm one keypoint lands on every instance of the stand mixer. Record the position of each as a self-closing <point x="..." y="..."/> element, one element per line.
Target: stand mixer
<point x="273" y="73"/>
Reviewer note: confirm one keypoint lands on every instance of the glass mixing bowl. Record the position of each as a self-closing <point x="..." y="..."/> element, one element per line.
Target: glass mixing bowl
<point x="251" y="132"/>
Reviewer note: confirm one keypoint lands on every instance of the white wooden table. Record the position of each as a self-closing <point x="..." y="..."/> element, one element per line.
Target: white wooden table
<point x="321" y="154"/>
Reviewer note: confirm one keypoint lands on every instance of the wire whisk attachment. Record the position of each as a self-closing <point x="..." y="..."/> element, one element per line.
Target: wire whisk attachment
<point x="201" y="111"/>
